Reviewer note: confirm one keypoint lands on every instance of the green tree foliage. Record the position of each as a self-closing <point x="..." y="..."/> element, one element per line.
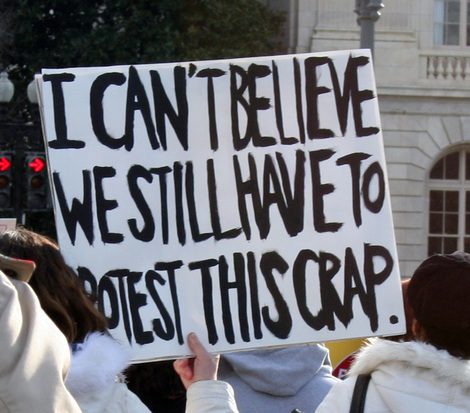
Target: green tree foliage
<point x="71" y="33"/>
<point x="216" y="29"/>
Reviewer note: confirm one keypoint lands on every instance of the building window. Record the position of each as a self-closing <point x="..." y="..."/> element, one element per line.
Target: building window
<point x="449" y="204"/>
<point x="451" y="22"/>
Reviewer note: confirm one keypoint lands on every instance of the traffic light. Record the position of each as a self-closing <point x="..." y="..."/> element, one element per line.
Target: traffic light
<point x="36" y="187"/>
<point x="5" y="179"/>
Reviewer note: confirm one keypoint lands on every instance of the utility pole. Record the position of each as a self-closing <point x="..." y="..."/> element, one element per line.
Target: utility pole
<point x="368" y="12"/>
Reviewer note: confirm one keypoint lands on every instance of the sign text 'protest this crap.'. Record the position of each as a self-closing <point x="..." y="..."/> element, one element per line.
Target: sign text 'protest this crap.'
<point x="247" y="271"/>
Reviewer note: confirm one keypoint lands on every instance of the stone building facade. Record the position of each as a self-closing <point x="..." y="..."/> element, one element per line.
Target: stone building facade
<point x="422" y="69"/>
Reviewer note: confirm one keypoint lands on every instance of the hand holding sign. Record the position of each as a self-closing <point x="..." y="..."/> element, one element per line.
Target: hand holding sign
<point x="202" y="367"/>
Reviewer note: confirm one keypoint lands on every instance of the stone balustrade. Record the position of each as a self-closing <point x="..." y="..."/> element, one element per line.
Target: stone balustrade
<point x="447" y="67"/>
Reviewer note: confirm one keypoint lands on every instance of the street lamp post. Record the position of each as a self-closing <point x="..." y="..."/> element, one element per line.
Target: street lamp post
<point x="7" y="90"/>
<point x="368" y="12"/>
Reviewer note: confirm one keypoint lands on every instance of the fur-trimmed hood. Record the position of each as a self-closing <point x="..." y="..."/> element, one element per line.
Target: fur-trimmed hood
<point x="416" y="356"/>
<point x="95" y="364"/>
<point x="405" y="377"/>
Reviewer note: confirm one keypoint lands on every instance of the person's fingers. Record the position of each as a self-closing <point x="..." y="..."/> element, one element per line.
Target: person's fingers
<point x="196" y="346"/>
<point x="205" y="364"/>
<point x="200" y="351"/>
<point x="203" y="367"/>
<point x="184" y="368"/>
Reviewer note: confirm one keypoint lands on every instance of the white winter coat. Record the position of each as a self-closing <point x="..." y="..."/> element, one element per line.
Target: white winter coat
<point x="93" y="377"/>
<point x="34" y="355"/>
<point x="210" y="396"/>
<point x="405" y="377"/>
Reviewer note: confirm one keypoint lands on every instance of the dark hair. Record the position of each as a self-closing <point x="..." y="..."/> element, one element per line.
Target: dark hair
<point x="438" y="293"/>
<point x="455" y="344"/>
<point x="60" y="291"/>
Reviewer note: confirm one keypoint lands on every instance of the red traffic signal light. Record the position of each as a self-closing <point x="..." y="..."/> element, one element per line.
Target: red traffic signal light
<point x="5" y="179"/>
<point x="36" y="187"/>
<point x="37" y="164"/>
<point x="5" y="163"/>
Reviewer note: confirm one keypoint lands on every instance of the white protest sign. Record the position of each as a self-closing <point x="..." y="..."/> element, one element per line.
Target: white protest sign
<point x="246" y="200"/>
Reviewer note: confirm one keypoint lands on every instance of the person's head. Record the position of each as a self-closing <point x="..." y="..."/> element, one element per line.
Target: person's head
<point x="439" y="294"/>
<point x="57" y="286"/>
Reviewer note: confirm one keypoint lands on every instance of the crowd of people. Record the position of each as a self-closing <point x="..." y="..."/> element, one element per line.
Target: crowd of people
<point x="59" y="356"/>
